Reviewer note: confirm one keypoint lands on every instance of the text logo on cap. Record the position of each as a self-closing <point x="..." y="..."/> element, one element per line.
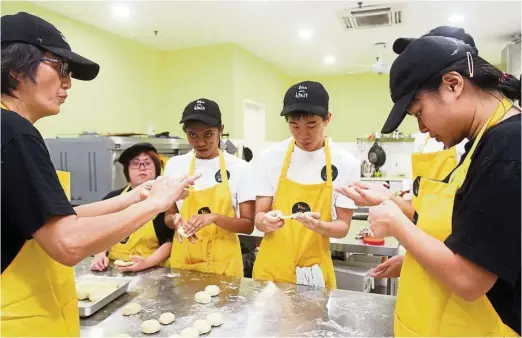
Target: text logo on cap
<point x="301" y="92"/>
<point x="200" y="105"/>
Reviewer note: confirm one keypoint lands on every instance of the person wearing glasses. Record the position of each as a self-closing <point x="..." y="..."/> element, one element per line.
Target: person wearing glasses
<point x="150" y="245"/>
<point x="43" y="236"/>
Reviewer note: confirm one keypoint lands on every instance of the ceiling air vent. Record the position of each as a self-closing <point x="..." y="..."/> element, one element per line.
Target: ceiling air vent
<point x="371" y="16"/>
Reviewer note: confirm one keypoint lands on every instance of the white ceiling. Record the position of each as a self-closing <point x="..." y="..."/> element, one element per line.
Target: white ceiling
<point x="269" y="29"/>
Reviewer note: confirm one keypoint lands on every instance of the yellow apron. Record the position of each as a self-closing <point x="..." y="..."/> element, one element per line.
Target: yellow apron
<point x="435" y="166"/>
<point x="425" y="307"/>
<point x="38" y="295"/>
<point x="217" y="250"/>
<point x="294" y="245"/>
<point x="143" y="242"/>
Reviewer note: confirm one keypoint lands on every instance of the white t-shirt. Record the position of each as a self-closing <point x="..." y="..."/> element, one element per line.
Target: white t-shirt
<point x="238" y="171"/>
<point x="306" y="168"/>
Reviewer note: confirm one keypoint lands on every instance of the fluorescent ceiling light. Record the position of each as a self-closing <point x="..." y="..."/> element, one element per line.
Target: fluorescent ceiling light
<point x="456" y="18"/>
<point x="121" y="11"/>
<point x="306" y="34"/>
<point x="329" y="59"/>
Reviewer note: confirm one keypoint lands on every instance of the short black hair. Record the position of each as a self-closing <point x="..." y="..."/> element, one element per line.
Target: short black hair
<point x="20" y="59"/>
<point x="299" y="114"/>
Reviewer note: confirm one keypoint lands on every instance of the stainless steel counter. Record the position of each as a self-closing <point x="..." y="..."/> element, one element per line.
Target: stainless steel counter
<point x="348" y="243"/>
<point x="250" y="308"/>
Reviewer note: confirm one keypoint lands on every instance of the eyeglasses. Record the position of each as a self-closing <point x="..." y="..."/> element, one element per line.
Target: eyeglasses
<point x="65" y="67"/>
<point x="137" y="164"/>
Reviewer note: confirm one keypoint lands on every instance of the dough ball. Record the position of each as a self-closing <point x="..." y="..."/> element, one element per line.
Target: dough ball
<point x="119" y="262"/>
<point x="82" y="294"/>
<point x="190" y="332"/>
<point x="181" y="232"/>
<point x="94" y="296"/>
<point x="132" y="309"/>
<point x="214" y="318"/>
<point x="202" y="297"/>
<point x="167" y="318"/>
<point x="150" y="326"/>
<point x="202" y="326"/>
<point x="213" y="290"/>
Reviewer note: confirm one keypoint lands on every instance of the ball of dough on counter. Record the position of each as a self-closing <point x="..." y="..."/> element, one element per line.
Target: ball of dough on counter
<point x="119" y="262"/>
<point x="202" y="326"/>
<point x="202" y="297"/>
<point x="181" y="232"/>
<point x="215" y="318"/>
<point x="82" y="293"/>
<point x="167" y="318"/>
<point x="94" y="296"/>
<point x="190" y="332"/>
<point x="131" y="309"/>
<point x="150" y="326"/>
<point x="213" y="290"/>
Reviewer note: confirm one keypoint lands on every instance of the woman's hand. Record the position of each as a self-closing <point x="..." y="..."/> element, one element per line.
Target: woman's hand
<point x="99" y="262"/>
<point x="198" y="222"/>
<point x="384" y="218"/>
<point x="365" y="195"/>
<point x="140" y="264"/>
<point x="166" y="191"/>
<point x="179" y="222"/>
<point x="389" y="269"/>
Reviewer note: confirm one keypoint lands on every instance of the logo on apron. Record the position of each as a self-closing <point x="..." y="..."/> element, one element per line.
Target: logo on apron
<point x="300" y="207"/>
<point x="218" y="177"/>
<point x="416" y="185"/>
<point x="335" y="172"/>
<point x="204" y="210"/>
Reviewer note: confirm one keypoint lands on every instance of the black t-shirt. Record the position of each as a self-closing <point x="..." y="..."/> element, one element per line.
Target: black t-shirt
<point x="163" y="232"/>
<point x="487" y="215"/>
<point x="31" y="191"/>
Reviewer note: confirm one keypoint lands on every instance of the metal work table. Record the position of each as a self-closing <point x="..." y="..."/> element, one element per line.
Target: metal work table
<point x="250" y="308"/>
<point x="348" y="243"/>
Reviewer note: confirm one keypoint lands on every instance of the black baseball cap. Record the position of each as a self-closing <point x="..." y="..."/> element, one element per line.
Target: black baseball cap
<point x="203" y="110"/>
<point x="308" y="96"/>
<point x="131" y="152"/>
<point x="26" y="28"/>
<point x="448" y="31"/>
<point x="422" y="59"/>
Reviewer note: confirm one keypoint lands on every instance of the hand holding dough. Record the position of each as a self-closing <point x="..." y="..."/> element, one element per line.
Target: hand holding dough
<point x="150" y="326"/>
<point x="190" y="332"/>
<point x="181" y="232"/>
<point x="131" y="309"/>
<point x="167" y="318"/>
<point x="202" y="297"/>
<point x="202" y="326"/>
<point x="213" y="290"/>
<point x="214" y="319"/>
<point x="119" y="262"/>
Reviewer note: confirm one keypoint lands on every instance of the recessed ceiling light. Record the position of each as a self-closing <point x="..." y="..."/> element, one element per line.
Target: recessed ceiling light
<point x="121" y="11"/>
<point x="306" y="34"/>
<point x="456" y="18"/>
<point x="329" y="59"/>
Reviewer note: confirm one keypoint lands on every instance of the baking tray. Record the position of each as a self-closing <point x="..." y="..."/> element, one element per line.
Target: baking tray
<point x="88" y="308"/>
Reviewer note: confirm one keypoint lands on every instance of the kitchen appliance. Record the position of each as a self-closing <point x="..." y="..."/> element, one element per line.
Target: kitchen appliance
<point x="91" y="160"/>
<point x="377" y="157"/>
<point x="367" y="169"/>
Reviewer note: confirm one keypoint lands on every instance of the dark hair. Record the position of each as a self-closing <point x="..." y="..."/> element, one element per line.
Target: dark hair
<point x="18" y="58"/>
<point x="299" y="114"/>
<point x="158" y="164"/>
<point x="485" y="76"/>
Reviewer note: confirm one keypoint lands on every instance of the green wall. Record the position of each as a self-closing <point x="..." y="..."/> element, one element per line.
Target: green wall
<point x="139" y="86"/>
<point x="124" y="95"/>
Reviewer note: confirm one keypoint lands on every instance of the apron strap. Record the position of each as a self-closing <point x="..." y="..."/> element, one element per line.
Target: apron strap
<point x="328" y="160"/>
<point x="500" y="111"/>
<point x="222" y="166"/>
<point x="4" y="106"/>
<point x="127" y="188"/>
